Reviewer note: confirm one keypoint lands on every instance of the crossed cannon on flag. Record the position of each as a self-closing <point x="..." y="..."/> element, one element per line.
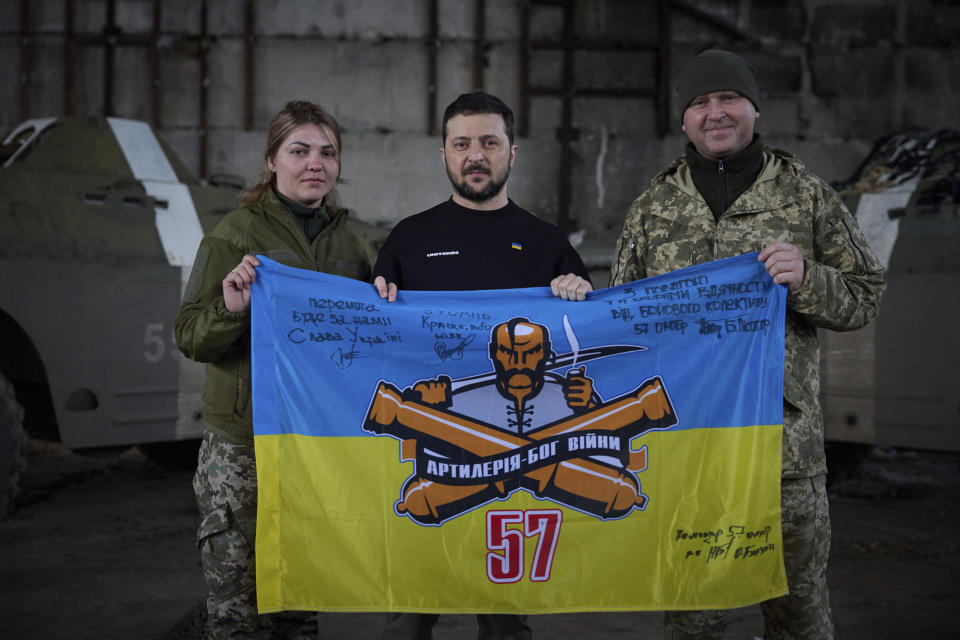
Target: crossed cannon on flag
<point x="583" y="460"/>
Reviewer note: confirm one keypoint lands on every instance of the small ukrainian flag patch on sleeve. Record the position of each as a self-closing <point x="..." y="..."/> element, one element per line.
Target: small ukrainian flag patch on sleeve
<point x="517" y="246"/>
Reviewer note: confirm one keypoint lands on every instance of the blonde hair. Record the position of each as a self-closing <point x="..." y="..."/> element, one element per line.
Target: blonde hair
<point x="294" y="114"/>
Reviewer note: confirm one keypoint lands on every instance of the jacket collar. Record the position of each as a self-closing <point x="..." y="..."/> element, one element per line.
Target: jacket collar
<point x="273" y="206"/>
<point x="777" y="182"/>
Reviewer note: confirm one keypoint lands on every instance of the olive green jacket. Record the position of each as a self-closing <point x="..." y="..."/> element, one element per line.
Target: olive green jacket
<point x="207" y="332"/>
<point x="670" y="227"/>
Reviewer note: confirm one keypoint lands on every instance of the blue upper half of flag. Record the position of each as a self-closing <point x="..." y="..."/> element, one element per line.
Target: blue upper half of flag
<point x="713" y="334"/>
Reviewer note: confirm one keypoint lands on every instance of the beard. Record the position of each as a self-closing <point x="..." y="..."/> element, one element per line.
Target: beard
<point x="494" y="187"/>
<point x="519" y="395"/>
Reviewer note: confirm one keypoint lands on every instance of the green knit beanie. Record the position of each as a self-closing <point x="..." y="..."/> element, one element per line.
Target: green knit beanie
<point x="716" y="70"/>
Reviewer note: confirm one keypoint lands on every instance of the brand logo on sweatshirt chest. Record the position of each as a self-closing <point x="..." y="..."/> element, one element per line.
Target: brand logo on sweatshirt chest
<point x="437" y="254"/>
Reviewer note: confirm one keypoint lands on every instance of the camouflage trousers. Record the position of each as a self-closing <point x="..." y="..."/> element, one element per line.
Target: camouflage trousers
<point x="226" y="488"/>
<point x="804" y="614"/>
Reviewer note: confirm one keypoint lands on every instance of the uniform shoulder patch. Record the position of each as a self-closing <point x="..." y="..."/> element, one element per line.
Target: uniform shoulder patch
<point x="192" y="290"/>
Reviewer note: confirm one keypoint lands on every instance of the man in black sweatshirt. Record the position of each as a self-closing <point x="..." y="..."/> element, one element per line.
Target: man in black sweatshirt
<point x="478" y="239"/>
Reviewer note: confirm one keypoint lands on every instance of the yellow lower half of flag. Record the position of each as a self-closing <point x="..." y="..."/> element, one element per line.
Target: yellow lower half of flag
<point x="328" y="537"/>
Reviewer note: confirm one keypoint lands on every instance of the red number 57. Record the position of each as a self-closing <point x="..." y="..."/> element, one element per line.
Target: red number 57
<point x="505" y="561"/>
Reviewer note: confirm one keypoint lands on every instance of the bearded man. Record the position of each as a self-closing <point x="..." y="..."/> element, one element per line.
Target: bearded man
<point x="478" y="239"/>
<point x="520" y="351"/>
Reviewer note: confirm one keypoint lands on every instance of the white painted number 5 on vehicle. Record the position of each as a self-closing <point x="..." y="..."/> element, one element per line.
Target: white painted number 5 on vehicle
<point x="505" y="556"/>
<point x="154" y="345"/>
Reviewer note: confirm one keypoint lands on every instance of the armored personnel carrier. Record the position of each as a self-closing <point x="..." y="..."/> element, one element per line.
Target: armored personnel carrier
<point x="99" y="224"/>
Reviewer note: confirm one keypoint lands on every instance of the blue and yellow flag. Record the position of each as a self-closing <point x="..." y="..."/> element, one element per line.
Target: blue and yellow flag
<point x="507" y="451"/>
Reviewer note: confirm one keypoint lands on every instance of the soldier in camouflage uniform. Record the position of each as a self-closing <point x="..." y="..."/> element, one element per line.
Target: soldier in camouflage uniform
<point x="290" y="215"/>
<point x="729" y="195"/>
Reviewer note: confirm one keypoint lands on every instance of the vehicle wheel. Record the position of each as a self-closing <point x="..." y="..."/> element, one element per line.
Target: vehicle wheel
<point x="13" y="442"/>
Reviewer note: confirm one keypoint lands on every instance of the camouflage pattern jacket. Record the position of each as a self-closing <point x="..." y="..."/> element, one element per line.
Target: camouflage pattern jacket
<point x="207" y="332"/>
<point x="670" y="227"/>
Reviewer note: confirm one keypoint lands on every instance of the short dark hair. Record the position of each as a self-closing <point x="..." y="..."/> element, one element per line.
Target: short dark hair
<point x="478" y="102"/>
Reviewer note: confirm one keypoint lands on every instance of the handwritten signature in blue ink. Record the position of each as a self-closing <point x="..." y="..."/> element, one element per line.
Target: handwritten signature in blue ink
<point x="455" y="353"/>
<point x="344" y="359"/>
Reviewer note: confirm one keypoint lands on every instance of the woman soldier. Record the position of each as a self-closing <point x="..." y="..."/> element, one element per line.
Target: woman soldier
<point x="291" y="215"/>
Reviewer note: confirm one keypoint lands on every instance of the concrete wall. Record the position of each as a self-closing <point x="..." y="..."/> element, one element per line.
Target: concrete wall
<point x="835" y="77"/>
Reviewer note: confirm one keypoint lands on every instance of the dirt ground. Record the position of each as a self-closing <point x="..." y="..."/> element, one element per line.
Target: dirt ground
<point x="103" y="547"/>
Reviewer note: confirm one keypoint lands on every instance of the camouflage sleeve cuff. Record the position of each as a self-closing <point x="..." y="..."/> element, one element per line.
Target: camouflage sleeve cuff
<point x="835" y="300"/>
<point x="810" y="294"/>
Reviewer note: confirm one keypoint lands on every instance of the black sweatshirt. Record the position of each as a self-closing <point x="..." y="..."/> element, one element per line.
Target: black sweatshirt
<point x="453" y="248"/>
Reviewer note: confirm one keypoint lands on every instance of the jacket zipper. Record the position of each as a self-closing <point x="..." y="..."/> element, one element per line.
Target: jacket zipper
<point x="721" y="170"/>
<point x="315" y="251"/>
<point x="723" y="186"/>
